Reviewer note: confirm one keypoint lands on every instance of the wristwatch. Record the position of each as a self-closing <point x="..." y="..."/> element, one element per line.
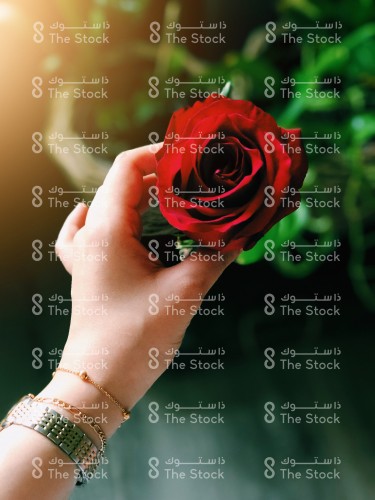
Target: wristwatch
<point x="59" y="430"/>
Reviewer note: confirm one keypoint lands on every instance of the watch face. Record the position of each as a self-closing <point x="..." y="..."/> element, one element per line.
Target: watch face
<point x="4" y="423"/>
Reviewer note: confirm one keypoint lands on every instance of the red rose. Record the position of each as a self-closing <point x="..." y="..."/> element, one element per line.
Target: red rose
<point x="221" y="162"/>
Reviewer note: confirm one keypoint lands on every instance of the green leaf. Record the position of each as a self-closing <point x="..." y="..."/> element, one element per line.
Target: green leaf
<point x="287" y="228"/>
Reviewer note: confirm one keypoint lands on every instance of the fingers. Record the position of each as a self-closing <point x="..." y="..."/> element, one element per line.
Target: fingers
<point x="128" y="169"/>
<point x="118" y="201"/>
<point x="64" y="243"/>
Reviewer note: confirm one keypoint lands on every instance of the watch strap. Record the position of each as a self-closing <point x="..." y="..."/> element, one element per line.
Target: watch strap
<point x="59" y="430"/>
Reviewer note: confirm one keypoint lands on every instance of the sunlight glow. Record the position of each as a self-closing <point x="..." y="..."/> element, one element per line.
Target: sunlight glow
<point x="7" y="11"/>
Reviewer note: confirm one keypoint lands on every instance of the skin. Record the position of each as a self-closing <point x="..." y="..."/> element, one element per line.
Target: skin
<point x="121" y="338"/>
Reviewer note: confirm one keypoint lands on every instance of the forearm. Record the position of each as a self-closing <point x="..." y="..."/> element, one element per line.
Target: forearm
<point x="31" y="466"/>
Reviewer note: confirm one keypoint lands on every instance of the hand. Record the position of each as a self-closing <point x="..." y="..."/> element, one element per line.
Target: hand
<point x="123" y="272"/>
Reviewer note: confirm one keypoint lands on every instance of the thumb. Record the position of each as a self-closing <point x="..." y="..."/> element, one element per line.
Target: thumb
<point x="202" y="269"/>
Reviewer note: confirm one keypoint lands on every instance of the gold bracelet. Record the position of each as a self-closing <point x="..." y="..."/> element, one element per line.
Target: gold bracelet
<point x="75" y="411"/>
<point x="85" y="377"/>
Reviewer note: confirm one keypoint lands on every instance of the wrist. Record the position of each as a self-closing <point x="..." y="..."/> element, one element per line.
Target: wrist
<point x="122" y="367"/>
<point x="88" y="399"/>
